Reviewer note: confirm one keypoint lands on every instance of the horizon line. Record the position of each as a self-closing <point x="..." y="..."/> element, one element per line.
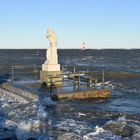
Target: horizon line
<point x="67" y="48"/>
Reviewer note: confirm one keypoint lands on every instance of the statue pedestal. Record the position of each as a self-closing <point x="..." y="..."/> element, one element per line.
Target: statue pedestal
<point x="50" y="67"/>
<point x="51" y="73"/>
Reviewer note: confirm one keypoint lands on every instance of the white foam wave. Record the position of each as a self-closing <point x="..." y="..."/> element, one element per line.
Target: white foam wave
<point x="81" y="114"/>
<point x="101" y="134"/>
<point x="69" y="125"/>
<point x="41" y="113"/>
<point x="47" y="101"/>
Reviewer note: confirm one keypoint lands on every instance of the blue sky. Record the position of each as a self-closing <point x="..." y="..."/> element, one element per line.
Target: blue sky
<point x="99" y="23"/>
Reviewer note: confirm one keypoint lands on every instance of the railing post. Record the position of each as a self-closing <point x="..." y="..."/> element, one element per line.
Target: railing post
<point x="12" y="68"/>
<point x="87" y="70"/>
<point x="74" y="70"/>
<point x="96" y="80"/>
<point x="78" y="80"/>
<point x="63" y="68"/>
<point x="90" y="83"/>
<point x="103" y="78"/>
<point x="35" y="70"/>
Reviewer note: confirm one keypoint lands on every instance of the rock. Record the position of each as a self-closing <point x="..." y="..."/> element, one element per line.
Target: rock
<point x="136" y="136"/>
<point x="13" y="115"/>
<point x="35" y="125"/>
<point x="99" y="133"/>
<point x="43" y="137"/>
<point x="119" y="128"/>
<point x="11" y="125"/>
<point x="29" y="129"/>
<point x="71" y="125"/>
<point x="5" y="105"/>
<point x="69" y="136"/>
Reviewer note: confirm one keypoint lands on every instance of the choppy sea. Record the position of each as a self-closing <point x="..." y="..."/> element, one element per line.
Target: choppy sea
<point x="116" y="118"/>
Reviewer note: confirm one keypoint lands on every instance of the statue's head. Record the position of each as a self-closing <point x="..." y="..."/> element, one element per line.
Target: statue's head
<point x="51" y="36"/>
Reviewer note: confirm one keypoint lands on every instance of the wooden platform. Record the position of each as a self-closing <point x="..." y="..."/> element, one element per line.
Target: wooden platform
<point x="98" y="93"/>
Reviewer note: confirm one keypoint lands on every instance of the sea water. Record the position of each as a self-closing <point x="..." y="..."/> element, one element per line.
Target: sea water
<point x="117" y="118"/>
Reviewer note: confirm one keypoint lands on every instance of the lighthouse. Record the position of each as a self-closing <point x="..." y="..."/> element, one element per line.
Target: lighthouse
<point x="83" y="46"/>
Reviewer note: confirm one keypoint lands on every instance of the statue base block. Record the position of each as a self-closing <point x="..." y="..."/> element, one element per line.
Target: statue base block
<point x="47" y="77"/>
<point x="50" y="67"/>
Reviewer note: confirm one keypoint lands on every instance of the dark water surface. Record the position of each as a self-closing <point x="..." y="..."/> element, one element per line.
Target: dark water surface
<point x="115" y="118"/>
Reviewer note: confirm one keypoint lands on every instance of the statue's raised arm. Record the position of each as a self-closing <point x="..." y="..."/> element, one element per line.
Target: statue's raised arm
<point x="51" y="54"/>
<point x="52" y="37"/>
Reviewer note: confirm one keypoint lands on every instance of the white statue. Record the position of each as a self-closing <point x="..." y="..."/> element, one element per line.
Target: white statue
<point x="51" y="53"/>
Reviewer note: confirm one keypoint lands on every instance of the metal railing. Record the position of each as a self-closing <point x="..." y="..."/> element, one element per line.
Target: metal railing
<point x="19" y="72"/>
<point x="23" y="71"/>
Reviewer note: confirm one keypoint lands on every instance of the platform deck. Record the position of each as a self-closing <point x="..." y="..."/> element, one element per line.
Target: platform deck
<point x="98" y="93"/>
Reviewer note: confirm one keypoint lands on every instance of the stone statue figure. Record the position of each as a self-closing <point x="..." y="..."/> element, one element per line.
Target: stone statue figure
<point x="51" y="53"/>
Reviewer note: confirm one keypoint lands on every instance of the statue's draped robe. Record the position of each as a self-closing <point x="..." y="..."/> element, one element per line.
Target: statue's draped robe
<point x="52" y="57"/>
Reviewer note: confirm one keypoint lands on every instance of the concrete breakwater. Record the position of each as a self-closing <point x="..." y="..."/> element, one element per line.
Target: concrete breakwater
<point x="19" y="114"/>
<point x="17" y="94"/>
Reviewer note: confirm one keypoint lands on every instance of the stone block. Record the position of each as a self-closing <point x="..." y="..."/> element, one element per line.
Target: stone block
<point x="51" y="76"/>
<point x="50" y="67"/>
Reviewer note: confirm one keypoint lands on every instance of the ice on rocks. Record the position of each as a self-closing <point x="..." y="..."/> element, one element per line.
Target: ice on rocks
<point x="136" y="136"/>
<point x="120" y="127"/>
<point x="100" y="134"/>
<point x="69" y="136"/>
<point x="35" y="125"/>
<point x="21" y="120"/>
<point x="70" y="125"/>
<point x="29" y="129"/>
<point x="4" y="105"/>
<point x="13" y="115"/>
<point x="81" y="114"/>
<point x="11" y="125"/>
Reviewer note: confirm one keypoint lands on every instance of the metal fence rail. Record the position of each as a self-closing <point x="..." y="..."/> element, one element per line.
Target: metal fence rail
<point x="19" y="72"/>
<point x="24" y="71"/>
